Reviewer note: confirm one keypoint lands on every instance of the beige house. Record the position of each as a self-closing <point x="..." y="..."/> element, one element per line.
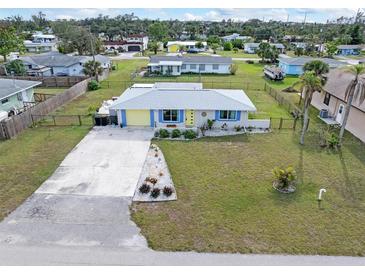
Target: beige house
<point x="333" y="101"/>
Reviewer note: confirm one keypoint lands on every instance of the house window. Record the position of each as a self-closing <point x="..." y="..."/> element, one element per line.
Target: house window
<point x="215" y="66"/>
<point x="4" y="101"/>
<point x="183" y="66"/>
<point x="201" y="67"/>
<point x="170" y="115"/>
<point x="327" y="98"/>
<point x="178" y="69"/>
<point x="19" y="96"/>
<point x="227" y="114"/>
<point x="193" y="66"/>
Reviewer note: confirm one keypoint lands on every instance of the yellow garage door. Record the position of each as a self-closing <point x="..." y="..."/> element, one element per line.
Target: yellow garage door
<point x="138" y="117"/>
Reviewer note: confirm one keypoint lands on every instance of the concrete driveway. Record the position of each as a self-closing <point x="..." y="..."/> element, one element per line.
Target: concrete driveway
<point x="86" y="201"/>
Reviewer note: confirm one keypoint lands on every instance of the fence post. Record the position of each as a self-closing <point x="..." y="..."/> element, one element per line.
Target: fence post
<point x="54" y="120"/>
<point x="281" y="122"/>
<point x="265" y="86"/>
<point x="270" y="126"/>
<point x="80" y="123"/>
<point x="295" y="123"/>
<point x="108" y="84"/>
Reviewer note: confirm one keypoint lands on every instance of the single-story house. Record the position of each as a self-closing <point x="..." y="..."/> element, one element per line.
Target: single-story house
<point x="181" y="105"/>
<point x="176" y="65"/>
<point x="299" y="45"/>
<point x="57" y="64"/>
<point x="41" y="43"/>
<point x="234" y="36"/>
<point x="137" y="42"/>
<point x="349" y="49"/>
<point x="253" y="47"/>
<point x="294" y="66"/>
<point x="174" y="46"/>
<point x="15" y="94"/>
<point x="332" y="100"/>
<point x="362" y="61"/>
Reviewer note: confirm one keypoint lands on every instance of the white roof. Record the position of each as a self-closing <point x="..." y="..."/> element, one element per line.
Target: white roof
<point x="188" y="98"/>
<point x="184" y="43"/>
<point x="180" y="85"/>
<point x="170" y="63"/>
<point x="142" y="85"/>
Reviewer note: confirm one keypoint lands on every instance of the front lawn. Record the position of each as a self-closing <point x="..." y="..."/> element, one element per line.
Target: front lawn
<point x="226" y="202"/>
<point x="239" y="54"/>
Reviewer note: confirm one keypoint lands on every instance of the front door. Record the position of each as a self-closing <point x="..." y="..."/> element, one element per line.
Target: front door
<point x="339" y="116"/>
<point x="189" y="118"/>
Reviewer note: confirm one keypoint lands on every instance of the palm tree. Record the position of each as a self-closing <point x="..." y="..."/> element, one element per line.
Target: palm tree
<point x="93" y="69"/>
<point x="355" y="90"/>
<point x="309" y="83"/>
<point x="214" y="47"/>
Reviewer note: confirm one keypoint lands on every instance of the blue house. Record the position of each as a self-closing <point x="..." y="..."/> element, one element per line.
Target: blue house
<point x="294" y="66"/>
<point x="349" y="49"/>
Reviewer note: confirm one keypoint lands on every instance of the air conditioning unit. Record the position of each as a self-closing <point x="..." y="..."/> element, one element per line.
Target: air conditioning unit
<point x="323" y="113"/>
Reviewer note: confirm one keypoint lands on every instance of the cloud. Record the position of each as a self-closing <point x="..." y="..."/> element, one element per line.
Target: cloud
<point x="191" y="17"/>
<point x="64" y="17"/>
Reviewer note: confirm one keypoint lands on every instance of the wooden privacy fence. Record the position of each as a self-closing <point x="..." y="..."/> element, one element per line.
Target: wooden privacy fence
<point x="51" y="81"/>
<point x="13" y="126"/>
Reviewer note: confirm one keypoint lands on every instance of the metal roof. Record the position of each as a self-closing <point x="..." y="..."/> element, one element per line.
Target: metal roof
<point x="179" y="98"/>
<point x="350" y="46"/>
<point x="300" y="61"/>
<point x="10" y="87"/>
<point x="193" y="59"/>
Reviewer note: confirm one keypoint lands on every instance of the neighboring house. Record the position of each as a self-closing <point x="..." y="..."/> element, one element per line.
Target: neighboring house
<point x="136" y="42"/>
<point x="174" y="46"/>
<point x="253" y="47"/>
<point x="299" y="45"/>
<point x="182" y="105"/>
<point x="58" y="64"/>
<point x="294" y="66"/>
<point x="176" y="65"/>
<point x="332" y="100"/>
<point x="41" y="43"/>
<point x="15" y="94"/>
<point x="235" y="36"/>
<point x="362" y="61"/>
<point x="349" y="49"/>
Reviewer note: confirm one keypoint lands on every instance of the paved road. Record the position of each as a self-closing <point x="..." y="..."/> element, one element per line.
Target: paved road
<point x="55" y="255"/>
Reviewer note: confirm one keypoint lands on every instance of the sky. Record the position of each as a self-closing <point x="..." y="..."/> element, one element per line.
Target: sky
<point x="295" y="14"/>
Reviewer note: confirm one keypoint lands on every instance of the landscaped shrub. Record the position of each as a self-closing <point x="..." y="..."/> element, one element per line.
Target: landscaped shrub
<point x="233" y="69"/>
<point x="93" y="85"/>
<point x="238" y="128"/>
<point x="156" y="134"/>
<point x="176" y="133"/>
<point x="155" y="192"/>
<point x="152" y="180"/>
<point x="164" y="133"/>
<point x="210" y="123"/>
<point x="333" y="141"/>
<point x="92" y="109"/>
<point x="190" y="134"/>
<point x="285" y="178"/>
<point x="250" y="62"/>
<point x="167" y="191"/>
<point x="144" y="189"/>
<point x="227" y="46"/>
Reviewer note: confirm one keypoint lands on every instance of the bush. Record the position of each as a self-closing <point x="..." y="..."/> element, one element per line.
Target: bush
<point x="250" y="62"/>
<point x="176" y="133"/>
<point x="93" y="85"/>
<point x="210" y="123"/>
<point x="333" y="141"/>
<point x="235" y="50"/>
<point x="155" y="193"/>
<point x="285" y="177"/>
<point x="233" y="69"/>
<point x="144" y="188"/>
<point x="114" y="67"/>
<point x="167" y="191"/>
<point x="164" y="133"/>
<point x="152" y="180"/>
<point x="92" y="109"/>
<point x="156" y="134"/>
<point x="237" y="128"/>
<point x="190" y="134"/>
<point x="227" y="46"/>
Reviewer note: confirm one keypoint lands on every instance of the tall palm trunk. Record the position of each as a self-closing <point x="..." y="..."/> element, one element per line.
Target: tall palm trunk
<point x="347" y="111"/>
<point x="307" y="101"/>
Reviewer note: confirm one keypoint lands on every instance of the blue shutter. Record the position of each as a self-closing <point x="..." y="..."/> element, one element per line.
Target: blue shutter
<point x="181" y="116"/>
<point x="152" y="118"/>
<point x="160" y="116"/>
<point x="124" y="117"/>
<point x="217" y="115"/>
<point x="238" y="115"/>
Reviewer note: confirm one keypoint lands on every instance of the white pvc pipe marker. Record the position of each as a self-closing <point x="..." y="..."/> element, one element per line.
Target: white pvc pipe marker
<point x="320" y="193"/>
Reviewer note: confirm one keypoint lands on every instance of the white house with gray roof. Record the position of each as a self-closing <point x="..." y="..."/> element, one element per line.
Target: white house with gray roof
<point x="176" y="65"/>
<point x="294" y="66"/>
<point x="15" y="94"/>
<point x="181" y="105"/>
<point x="253" y="47"/>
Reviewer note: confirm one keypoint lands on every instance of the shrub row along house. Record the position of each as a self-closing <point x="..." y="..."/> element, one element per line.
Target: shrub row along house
<point x="176" y="65"/>
<point x="182" y="105"/>
<point x="332" y="103"/>
<point x="57" y="64"/>
<point x="294" y="66"/>
<point x="137" y="42"/>
<point x="15" y="95"/>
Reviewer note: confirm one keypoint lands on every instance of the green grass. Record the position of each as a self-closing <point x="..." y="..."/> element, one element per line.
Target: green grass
<point x="239" y="54"/>
<point x="49" y="90"/>
<point x="226" y="202"/>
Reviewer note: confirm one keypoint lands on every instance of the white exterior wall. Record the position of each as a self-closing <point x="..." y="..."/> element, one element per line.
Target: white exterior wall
<point x="74" y="70"/>
<point x="174" y="72"/>
<point x="164" y="125"/>
<point x="200" y="120"/>
<point x="223" y="69"/>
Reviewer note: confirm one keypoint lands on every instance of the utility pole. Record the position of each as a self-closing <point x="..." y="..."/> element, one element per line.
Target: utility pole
<point x="93" y="54"/>
<point x="305" y="17"/>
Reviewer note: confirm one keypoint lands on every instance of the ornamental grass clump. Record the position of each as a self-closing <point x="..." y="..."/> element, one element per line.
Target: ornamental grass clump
<point x="284" y="179"/>
<point x="155" y="193"/>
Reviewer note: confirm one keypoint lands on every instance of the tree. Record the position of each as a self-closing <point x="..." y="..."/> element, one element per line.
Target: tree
<point x="153" y="46"/>
<point x="355" y="90"/>
<point x="227" y="46"/>
<point x="93" y="69"/>
<point x="235" y="50"/>
<point x="331" y="48"/>
<point x="264" y="51"/>
<point x="157" y="31"/>
<point x="213" y="39"/>
<point x="298" y="51"/>
<point x="214" y="47"/>
<point x="16" y="66"/>
<point x="237" y="43"/>
<point x="309" y="83"/>
<point x="9" y="42"/>
<point x="356" y="35"/>
<point x="199" y="45"/>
